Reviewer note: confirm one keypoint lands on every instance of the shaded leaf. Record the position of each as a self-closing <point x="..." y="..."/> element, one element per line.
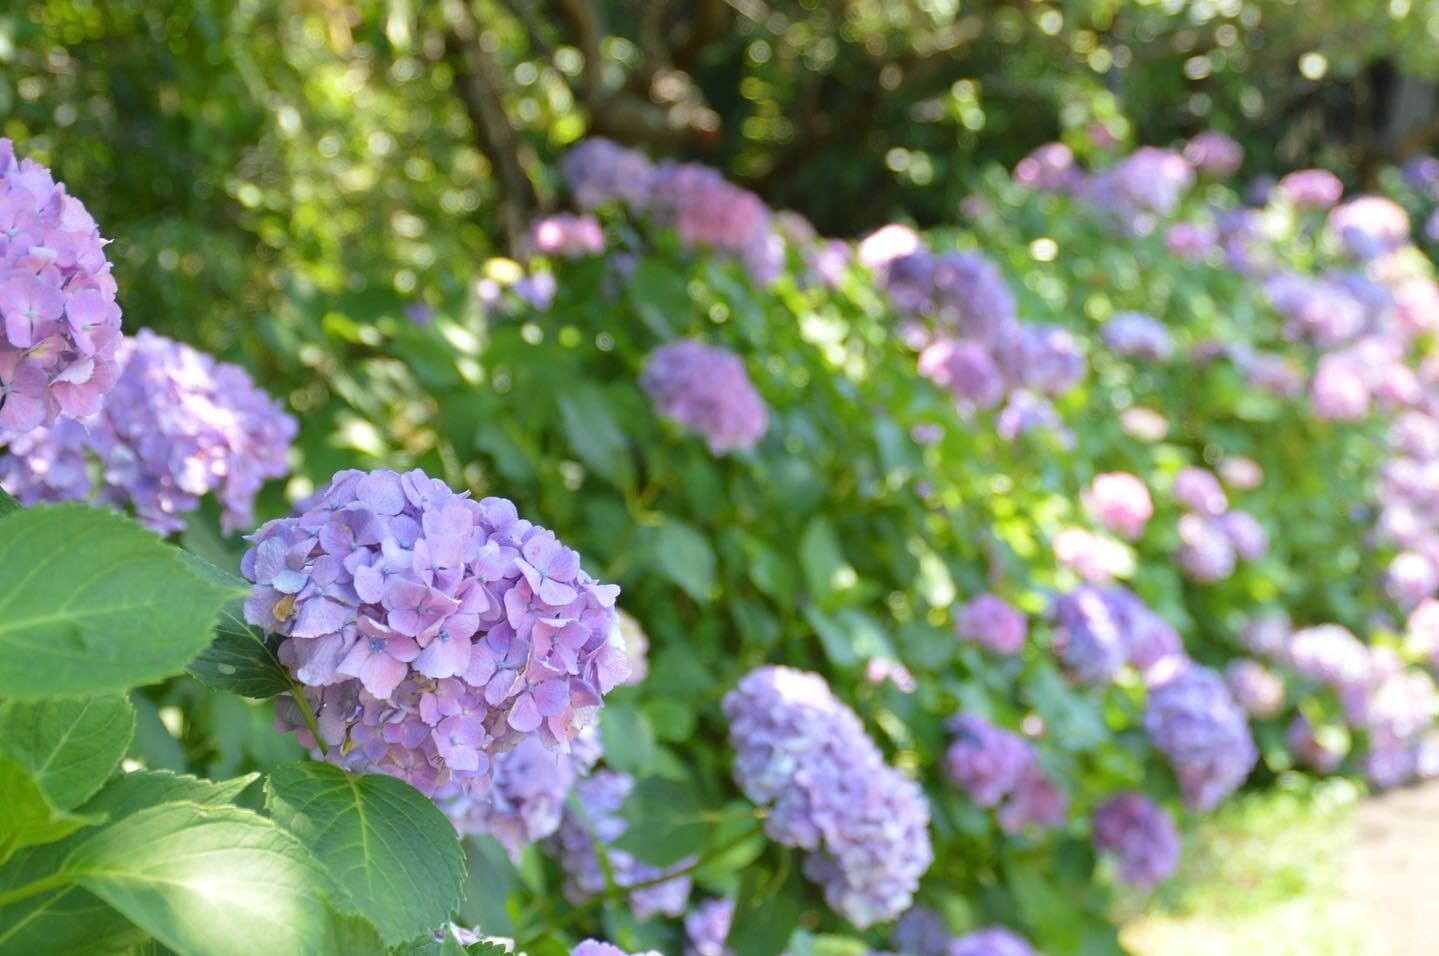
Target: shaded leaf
<point x="69" y="746"/>
<point x="595" y="436"/>
<point x="666" y="822"/>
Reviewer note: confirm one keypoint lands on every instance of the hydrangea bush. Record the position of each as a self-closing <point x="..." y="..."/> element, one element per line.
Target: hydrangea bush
<point x="961" y="571"/>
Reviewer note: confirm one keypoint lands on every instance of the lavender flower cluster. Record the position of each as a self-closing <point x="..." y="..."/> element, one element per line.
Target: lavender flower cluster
<point x="1195" y="721"/>
<point x="1120" y="502"/>
<point x="1098" y="630"/>
<point x="177" y="425"/>
<point x="582" y="837"/>
<point x="59" y="324"/>
<point x="999" y="769"/>
<point x="922" y="932"/>
<point x="706" y="389"/>
<point x="432" y="632"/>
<point x="993" y="623"/>
<point x="1140" y="835"/>
<point x="1212" y="538"/>
<point x="805" y="755"/>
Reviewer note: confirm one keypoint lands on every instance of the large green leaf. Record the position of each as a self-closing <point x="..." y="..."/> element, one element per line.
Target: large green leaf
<point x="386" y="843"/>
<point x="766" y="912"/>
<point x="8" y="505"/>
<point x="595" y="436"/>
<point x="684" y="555"/>
<point x="213" y="880"/>
<point x="826" y="571"/>
<point x="666" y="822"/>
<point x="241" y="659"/>
<point x="70" y="745"/>
<point x="27" y="817"/>
<point x="91" y="602"/>
<point x="132" y="792"/>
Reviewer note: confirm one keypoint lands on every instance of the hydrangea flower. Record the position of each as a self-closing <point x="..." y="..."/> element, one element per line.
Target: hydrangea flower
<point x="177" y="425"/>
<point x="706" y="210"/>
<point x="1206" y="554"/>
<point x="1199" y="491"/>
<point x="1027" y="412"/>
<point x="59" y="324"/>
<point x="1146" y="184"/>
<point x="1140" y="835"/>
<point x="1315" y="308"/>
<point x="965" y="369"/>
<point x="574" y="844"/>
<point x="1241" y="473"/>
<point x="632" y="639"/>
<point x="1328" y="654"/>
<point x="1369" y="226"/>
<point x="431" y="632"/>
<point x="1196" y="723"/>
<point x="1138" y="336"/>
<point x="1049" y="168"/>
<point x="960" y="292"/>
<point x="1192" y="241"/>
<point x="1120" y="502"/>
<point x="566" y="236"/>
<point x="991" y="941"/>
<point x="594" y="947"/>
<point x="707" y="926"/>
<point x="1043" y="358"/>
<point x="805" y="755"/>
<point x="1214" y="154"/>
<point x="993" y="623"/>
<point x="526" y="799"/>
<point x="920" y="931"/>
<point x="1340" y="390"/>
<point x="1268" y="634"/>
<point x="1089" y="635"/>
<point x="706" y="389"/>
<point x="599" y="171"/>
<point x="1310" y="188"/>
<point x="999" y="769"/>
<point x="1410" y="578"/>
<point x="1256" y="688"/>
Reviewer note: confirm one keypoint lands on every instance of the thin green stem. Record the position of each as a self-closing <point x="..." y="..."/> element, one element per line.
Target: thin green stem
<point x="50" y="882"/>
<point x="303" y="702"/>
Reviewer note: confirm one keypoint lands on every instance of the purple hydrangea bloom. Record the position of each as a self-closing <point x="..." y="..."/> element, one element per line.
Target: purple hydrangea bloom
<point x="1315" y="751"/>
<point x="1394" y="706"/>
<point x="1369" y="226"/>
<point x="1138" y="336"/>
<point x="705" y="210"/>
<point x="1049" y="168"/>
<point x="1206" y="554"/>
<point x="1120" y="502"/>
<point x="1410" y="578"/>
<point x="1310" y="188"/>
<point x="1267" y="372"/>
<point x="574" y="844"/>
<point x="1195" y="721"/>
<point x="1330" y="655"/>
<point x="1267" y="634"/>
<point x="1257" y="689"/>
<point x="999" y="769"/>
<point x="959" y="291"/>
<point x="1199" y="491"/>
<point x="1140" y="835"/>
<point x="1090" y="634"/>
<point x="993" y="623"/>
<point x="594" y="947"/>
<point x="965" y="369"/>
<point x="992" y="941"/>
<point x="599" y="171"/>
<point x="1026" y="412"/>
<point x="59" y="324"/>
<point x="432" y="632"/>
<point x="526" y="798"/>
<point x="707" y="926"/>
<point x="1192" y="241"/>
<point x="1340" y="390"/>
<point x="566" y="236"/>
<point x="1388" y="763"/>
<point x="176" y="425"/>
<point x="1421" y="173"/>
<point x="985" y="761"/>
<point x="921" y="932"/>
<point x="706" y="389"/>
<point x="1146" y="184"/>
<point x="1044" y="358"/>
<point x="1315" y="308"/>
<point x="1241" y="473"/>
<point x="1214" y="154"/>
<point x="806" y="756"/>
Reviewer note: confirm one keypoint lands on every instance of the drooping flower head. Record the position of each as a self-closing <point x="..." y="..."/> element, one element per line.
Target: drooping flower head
<point x="805" y="755"/>
<point x="1193" y="719"/>
<point x="176" y="426"/>
<point x="602" y="796"/>
<point x="59" y="324"/>
<point x="1140" y="835"/>
<point x="706" y="389"/>
<point x="1120" y="502"/>
<point x="992" y="622"/>
<point x="432" y="632"/>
